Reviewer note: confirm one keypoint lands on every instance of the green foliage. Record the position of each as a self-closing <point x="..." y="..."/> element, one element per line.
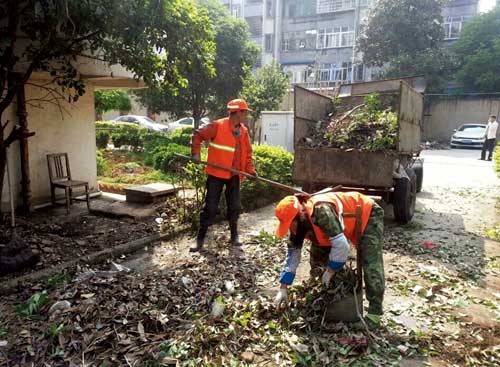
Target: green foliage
<point x="273" y="163"/>
<point x="372" y="127"/>
<point x="111" y="99"/>
<point x="265" y="91"/>
<point x="102" y="138"/>
<point x="163" y="157"/>
<point x="57" y="279"/>
<point x="174" y="350"/>
<point x="182" y="136"/>
<point x="129" y="134"/>
<point x="393" y="23"/>
<point x="102" y="164"/>
<point x="159" y="149"/>
<point x="209" y="89"/>
<point x="436" y="64"/>
<point x="33" y="305"/>
<point x="496" y="159"/>
<point x="478" y="52"/>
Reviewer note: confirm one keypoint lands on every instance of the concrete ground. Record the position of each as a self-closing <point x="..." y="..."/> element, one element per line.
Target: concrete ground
<point x="453" y="210"/>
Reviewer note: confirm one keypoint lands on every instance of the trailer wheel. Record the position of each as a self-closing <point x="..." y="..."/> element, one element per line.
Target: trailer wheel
<point x="405" y="194"/>
<point x="419" y="172"/>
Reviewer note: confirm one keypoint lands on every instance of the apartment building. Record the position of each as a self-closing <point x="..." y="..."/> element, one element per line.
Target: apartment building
<point x="315" y="40"/>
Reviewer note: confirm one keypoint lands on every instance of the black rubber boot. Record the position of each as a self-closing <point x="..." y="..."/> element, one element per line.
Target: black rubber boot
<point x="235" y="238"/>
<point x="200" y="239"/>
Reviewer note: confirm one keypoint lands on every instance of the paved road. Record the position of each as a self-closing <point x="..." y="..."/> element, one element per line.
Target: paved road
<point x="458" y="168"/>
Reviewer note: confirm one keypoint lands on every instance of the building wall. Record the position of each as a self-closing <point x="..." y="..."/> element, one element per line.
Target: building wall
<point x="444" y="115"/>
<point x="288" y="16"/>
<point x="73" y="133"/>
<point x="14" y="164"/>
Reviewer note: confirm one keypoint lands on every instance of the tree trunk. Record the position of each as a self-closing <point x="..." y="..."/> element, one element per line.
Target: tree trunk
<point x="23" y="146"/>
<point x="3" y="161"/>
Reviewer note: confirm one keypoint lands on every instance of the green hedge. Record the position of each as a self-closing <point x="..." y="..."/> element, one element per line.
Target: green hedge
<point x="273" y="163"/>
<point x="102" y="164"/>
<point x="496" y="158"/>
<point x="123" y="134"/>
<point x="163" y="158"/>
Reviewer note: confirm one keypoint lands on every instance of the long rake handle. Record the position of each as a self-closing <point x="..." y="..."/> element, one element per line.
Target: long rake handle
<point x="238" y="172"/>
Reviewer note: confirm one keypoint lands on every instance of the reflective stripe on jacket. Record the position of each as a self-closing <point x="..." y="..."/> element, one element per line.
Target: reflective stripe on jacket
<point x="222" y="148"/>
<point x="344" y="202"/>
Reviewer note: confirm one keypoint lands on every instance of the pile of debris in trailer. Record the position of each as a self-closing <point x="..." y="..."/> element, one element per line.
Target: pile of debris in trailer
<point x="370" y="126"/>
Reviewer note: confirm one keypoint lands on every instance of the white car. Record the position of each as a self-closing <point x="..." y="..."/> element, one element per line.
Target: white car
<point x="187" y="122"/>
<point x="143" y="121"/>
<point x="469" y="136"/>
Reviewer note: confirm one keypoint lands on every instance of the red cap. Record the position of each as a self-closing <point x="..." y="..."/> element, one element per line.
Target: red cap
<point x="286" y="210"/>
<point x="238" y="105"/>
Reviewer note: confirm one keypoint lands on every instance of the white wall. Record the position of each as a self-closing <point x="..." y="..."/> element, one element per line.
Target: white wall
<point x="15" y="168"/>
<point x="73" y="133"/>
<point x="444" y="115"/>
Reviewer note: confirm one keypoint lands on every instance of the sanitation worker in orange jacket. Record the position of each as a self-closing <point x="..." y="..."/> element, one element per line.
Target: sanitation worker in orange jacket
<point x="229" y="146"/>
<point x="320" y="219"/>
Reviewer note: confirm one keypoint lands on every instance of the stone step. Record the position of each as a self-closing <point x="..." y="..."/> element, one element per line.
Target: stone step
<point x="150" y="193"/>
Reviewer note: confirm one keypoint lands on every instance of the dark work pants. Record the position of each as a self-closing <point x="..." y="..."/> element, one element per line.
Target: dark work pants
<point x="212" y="198"/>
<point x="489" y="145"/>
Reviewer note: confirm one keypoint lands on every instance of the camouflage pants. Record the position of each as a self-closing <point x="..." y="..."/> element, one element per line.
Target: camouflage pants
<point x="373" y="263"/>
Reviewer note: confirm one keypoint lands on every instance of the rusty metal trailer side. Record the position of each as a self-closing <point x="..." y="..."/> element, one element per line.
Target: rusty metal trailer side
<point x="388" y="173"/>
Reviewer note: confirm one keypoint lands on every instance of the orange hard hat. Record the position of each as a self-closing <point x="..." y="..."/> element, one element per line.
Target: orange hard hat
<point x="286" y="210"/>
<point x="238" y="105"/>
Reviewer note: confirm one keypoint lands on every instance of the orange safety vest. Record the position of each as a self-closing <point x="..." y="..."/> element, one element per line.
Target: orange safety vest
<point x="221" y="149"/>
<point x="344" y="202"/>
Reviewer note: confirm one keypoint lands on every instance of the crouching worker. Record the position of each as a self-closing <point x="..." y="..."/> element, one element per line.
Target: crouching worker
<point x="319" y="218"/>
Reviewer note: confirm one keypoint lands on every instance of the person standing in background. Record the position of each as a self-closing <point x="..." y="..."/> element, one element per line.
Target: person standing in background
<point x="491" y="135"/>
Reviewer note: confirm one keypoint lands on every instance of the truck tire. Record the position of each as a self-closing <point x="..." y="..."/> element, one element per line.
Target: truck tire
<point x="418" y="167"/>
<point x="405" y="193"/>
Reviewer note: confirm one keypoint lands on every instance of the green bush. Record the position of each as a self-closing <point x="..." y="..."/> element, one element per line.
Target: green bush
<point x="102" y="164"/>
<point x="496" y="158"/>
<point x="102" y="138"/>
<point x="273" y="163"/>
<point x="128" y="134"/>
<point x="182" y="136"/>
<point x="163" y="157"/>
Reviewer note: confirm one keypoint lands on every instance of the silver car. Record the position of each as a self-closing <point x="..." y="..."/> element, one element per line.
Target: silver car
<point x="143" y="121"/>
<point x="468" y="136"/>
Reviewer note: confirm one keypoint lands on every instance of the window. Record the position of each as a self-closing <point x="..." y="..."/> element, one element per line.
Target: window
<point x="333" y="72"/>
<point x="330" y="6"/>
<point x="236" y="10"/>
<point x="269" y="43"/>
<point x="285" y="45"/>
<point x="452" y="27"/>
<point x="291" y="10"/>
<point x="335" y="37"/>
<point x="299" y="40"/>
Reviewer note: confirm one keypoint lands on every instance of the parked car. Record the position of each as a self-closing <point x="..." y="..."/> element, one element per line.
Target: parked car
<point x="468" y="135"/>
<point x="143" y="121"/>
<point x="187" y="122"/>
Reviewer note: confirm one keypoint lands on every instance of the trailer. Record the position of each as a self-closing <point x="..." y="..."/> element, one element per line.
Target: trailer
<point x="395" y="176"/>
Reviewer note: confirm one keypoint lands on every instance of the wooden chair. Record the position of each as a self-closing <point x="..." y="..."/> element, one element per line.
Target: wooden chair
<point x="60" y="178"/>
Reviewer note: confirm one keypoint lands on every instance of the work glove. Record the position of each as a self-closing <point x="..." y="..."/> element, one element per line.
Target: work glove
<point x="281" y="299"/>
<point x="195" y="157"/>
<point x="326" y="278"/>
